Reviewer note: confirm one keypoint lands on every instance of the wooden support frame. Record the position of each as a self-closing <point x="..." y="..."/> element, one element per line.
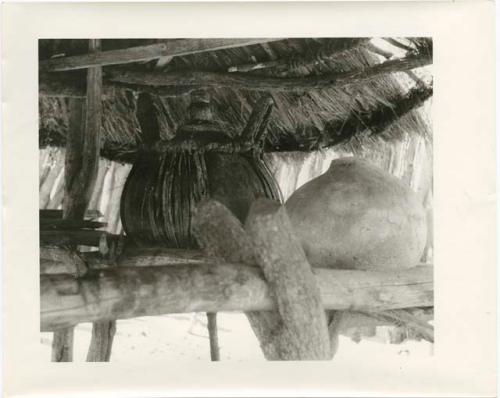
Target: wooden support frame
<point x="213" y="286"/>
<point x="167" y="48"/>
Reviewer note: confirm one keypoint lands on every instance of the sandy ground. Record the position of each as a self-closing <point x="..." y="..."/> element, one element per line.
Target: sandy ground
<point x="184" y="337"/>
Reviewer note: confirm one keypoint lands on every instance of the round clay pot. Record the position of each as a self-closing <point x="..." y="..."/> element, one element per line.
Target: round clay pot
<point x="357" y="216"/>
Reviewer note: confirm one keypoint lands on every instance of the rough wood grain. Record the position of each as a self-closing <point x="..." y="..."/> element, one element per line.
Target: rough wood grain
<point x="310" y="58"/>
<point x="222" y="237"/>
<point x="83" y="146"/>
<point x="86" y="237"/>
<point x="256" y="127"/>
<point x="82" y="152"/>
<point x="79" y="173"/>
<point x="62" y="345"/>
<point x="168" y="48"/>
<point x="58" y="260"/>
<point x="102" y="332"/>
<point x="128" y="292"/>
<point x="303" y="334"/>
<point x="101" y="341"/>
<point x="265" y="83"/>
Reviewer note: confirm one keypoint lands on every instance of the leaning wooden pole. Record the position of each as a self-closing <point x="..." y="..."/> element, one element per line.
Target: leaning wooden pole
<point x="167" y="48"/>
<point x="139" y="79"/>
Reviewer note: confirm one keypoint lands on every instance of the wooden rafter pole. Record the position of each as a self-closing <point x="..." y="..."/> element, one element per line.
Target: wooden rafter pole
<point x="167" y="48"/>
<point x="178" y="83"/>
<point x="378" y="119"/>
<point x="138" y="79"/>
<point x="311" y="58"/>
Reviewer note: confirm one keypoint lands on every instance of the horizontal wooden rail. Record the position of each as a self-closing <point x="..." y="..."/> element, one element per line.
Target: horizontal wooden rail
<point x="181" y="82"/>
<point x="168" y="48"/>
<point x="264" y="83"/>
<point x="206" y="286"/>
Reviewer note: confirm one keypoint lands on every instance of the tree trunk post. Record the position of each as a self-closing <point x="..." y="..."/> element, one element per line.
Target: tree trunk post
<point x="294" y="332"/>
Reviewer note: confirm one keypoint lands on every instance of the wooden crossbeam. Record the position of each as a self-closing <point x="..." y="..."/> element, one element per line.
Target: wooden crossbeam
<point x="181" y="82"/>
<point x="138" y="79"/>
<point x="170" y="48"/>
<point x="128" y="292"/>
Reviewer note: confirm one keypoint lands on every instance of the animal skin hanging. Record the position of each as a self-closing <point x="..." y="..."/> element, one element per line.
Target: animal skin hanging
<point x="204" y="159"/>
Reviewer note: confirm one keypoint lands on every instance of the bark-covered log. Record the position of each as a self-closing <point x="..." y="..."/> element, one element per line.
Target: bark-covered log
<point x="303" y="331"/>
<point x="265" y="83"/>
<point x="127" y="292"/>
<point x="170" y="48"/>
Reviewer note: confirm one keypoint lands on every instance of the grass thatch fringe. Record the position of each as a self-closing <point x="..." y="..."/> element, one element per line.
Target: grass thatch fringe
<point x="299" y="122"/>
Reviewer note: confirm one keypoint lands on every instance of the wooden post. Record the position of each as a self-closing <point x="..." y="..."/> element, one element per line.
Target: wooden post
<point x="213" y="336"/>
<point x="303" y="332"/>
<point x="293" y="332"/>
<point x="81" y="165"/>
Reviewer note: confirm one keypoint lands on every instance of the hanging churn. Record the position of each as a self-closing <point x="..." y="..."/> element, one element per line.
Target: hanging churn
<point x="204" y="159"/>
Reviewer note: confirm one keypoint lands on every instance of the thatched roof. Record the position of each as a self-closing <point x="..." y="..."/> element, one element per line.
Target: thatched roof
<point x="380" y="105"/>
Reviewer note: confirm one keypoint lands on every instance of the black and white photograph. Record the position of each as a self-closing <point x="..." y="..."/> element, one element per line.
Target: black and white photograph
<point x="219" y="199"/>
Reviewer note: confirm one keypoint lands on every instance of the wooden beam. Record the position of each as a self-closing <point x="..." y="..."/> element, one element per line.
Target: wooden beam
<point x="256" y="126"/>
<point x="308" y="59"/>
<point x="57" y="213"/>
<point x="134" y="256"/>
<point x="85" y="237"/>
<point x="264" y="83"/>
<point x="59" y="224"/>
<point x="170" y="48"/>
<point x="128" y="292"/>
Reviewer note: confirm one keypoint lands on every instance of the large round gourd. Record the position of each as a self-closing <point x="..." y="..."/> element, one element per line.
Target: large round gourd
<point x="357" y="216"/>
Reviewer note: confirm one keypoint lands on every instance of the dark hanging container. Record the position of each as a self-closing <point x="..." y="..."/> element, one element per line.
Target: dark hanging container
<point x="205" y="159"/>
